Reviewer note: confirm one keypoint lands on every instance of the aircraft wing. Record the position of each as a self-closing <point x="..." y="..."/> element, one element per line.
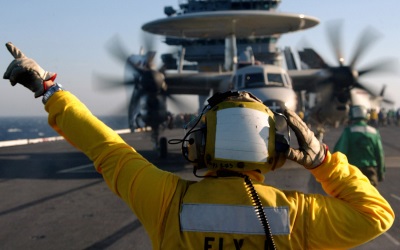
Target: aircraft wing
<point x="196" y="83"/>
<point x="202" y="83"/>
<point x="313" y="69"/>
<point x="307" y="79"/>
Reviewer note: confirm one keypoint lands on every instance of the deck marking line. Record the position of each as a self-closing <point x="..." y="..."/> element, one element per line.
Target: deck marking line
<point x="392" y="239"/>
<point x="395" y="196"/>
<point x="79" y="169"/>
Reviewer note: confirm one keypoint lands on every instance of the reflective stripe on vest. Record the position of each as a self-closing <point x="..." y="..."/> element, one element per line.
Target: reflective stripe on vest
<point x="220" y="218"/>
<point x="363" y="129"/>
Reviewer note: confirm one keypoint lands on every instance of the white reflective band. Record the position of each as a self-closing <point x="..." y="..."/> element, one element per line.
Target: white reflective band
<point x="363" y="129"/>
<point x="247" y="140"/>
<point x="221" y="218"/>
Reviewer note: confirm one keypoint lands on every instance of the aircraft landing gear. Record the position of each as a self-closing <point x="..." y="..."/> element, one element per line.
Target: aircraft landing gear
<point x="159" y="144"/>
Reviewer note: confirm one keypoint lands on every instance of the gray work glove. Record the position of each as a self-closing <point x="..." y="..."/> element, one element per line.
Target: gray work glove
<point x="311" y="152"/>
<point x="27" y="72"/>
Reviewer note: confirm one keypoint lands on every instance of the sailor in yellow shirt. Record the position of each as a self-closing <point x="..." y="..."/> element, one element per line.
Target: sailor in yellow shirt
<point x="231" y="207"/>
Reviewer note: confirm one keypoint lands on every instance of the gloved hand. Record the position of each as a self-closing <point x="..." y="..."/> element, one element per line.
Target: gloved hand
<point x="27" y="72"/>
<point x="311" y="153"/>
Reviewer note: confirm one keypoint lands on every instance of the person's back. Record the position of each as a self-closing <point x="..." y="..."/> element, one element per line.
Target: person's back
<point x="362" y="145"/>
<point x="218" y="213"/>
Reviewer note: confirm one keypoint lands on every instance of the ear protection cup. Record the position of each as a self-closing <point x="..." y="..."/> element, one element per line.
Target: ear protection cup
<point x="281" y="143"/>
<point x="196" y="146"/>
<point x="279" y="160"/>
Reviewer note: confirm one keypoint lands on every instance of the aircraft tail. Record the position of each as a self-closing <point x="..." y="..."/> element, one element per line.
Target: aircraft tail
<point x="289" y="58"/>
<point x="311" y="59"/>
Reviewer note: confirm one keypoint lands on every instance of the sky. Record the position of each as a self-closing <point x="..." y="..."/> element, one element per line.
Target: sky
<point x="70" y="38"/>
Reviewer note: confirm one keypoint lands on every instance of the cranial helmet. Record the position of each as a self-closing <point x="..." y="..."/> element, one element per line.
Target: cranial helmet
<point x="358" y="112"/>
<point x="235" y="132"/>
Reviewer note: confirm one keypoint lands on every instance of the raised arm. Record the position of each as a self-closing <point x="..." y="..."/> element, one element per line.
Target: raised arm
<point x="145" y="188"/>
<point x="354" y="213"/>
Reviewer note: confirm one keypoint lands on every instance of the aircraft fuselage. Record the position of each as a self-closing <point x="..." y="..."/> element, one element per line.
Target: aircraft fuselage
<point x="270" y="83"/>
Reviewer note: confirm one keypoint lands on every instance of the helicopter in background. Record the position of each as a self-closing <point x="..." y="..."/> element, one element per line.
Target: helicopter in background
<point x="152" y="87"/>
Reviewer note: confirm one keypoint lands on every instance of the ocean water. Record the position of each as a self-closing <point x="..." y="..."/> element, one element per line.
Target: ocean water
<point x="15" y="128"/>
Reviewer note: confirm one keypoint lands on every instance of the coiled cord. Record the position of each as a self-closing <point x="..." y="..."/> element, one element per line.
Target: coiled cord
<point x="259" y="209"/>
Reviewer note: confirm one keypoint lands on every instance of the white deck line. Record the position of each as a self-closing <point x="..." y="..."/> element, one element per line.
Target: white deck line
<point x="18" y="142"/>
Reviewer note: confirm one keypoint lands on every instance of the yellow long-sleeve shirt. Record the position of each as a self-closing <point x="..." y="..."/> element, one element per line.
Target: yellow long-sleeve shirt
<point x="216" y="213"/>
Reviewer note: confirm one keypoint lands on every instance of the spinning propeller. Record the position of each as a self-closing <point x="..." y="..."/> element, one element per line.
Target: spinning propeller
<point x="340" y="79"/>
<point x="141" y="66"/>
<point x="147" y="107"/>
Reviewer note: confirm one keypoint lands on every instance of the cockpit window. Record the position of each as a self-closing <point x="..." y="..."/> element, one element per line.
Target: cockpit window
<point x="275" y="80"/>
<point x="257" y="80"/>
<point x="288" y="81"/>
<point x="254" y="80"/>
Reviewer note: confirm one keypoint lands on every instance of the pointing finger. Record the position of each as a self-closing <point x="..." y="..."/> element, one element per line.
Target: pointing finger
<point x="15" y="52"/>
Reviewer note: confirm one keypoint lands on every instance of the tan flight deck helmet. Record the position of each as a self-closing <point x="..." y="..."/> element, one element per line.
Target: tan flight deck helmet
<point x="237" y="132"/>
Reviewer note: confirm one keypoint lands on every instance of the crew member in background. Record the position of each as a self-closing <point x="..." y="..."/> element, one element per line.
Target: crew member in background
<point x="398" y="117"/>
<point x="362" y="145"/>
<point x="382" y="117"/>
<point x="230" y="207"/>
<point x="373" y="118"/>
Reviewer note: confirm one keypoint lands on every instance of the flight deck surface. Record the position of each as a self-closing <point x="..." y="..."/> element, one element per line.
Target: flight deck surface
<point x="52" y="198"/>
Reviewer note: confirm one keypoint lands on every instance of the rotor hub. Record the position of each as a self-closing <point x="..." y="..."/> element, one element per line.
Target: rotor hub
<point x="344" y="77"/>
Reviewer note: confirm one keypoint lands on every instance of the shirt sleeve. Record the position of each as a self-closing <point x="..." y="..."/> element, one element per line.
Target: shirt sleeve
<point x="145" y="188"/>
<point x="355" y="213"/>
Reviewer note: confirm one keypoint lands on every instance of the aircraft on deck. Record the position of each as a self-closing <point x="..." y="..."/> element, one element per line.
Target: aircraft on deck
<point x="336" y="88"/>
<point x="364" y="98"/>
<point x="269" y="82"/>
<point x="274" y="85"/>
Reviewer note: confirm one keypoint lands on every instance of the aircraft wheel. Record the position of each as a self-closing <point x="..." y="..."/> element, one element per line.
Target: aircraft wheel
<point x="163" y="147"/>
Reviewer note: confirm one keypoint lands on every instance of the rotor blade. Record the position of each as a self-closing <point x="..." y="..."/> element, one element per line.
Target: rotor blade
<point x="149" y="47"/>
<point x="366" y="39"/>
<point x="387" y="101"/>
<point x="373" y="94"/>
<point x="334" y="29"/>
<point x="383" y="66"/>
<point x="148" y="41"/>
<point x="363" y="86"/>
<point x="117" y="50"/>
<point x="103" y="82"/>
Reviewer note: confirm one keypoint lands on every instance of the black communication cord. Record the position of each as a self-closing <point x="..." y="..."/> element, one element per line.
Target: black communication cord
<point x="258" y="208"/>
